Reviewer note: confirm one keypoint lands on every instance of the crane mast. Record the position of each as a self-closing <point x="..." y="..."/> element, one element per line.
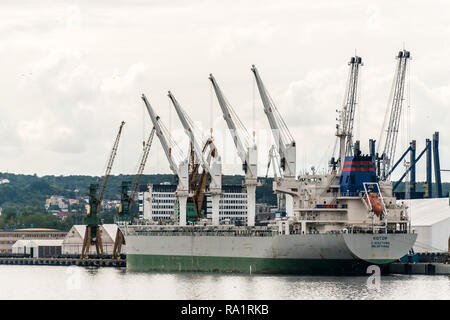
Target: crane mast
<point x="247" y="152"/>
<point x="180" y="171"/>
<point x="145" y="153"/>
<point x="109" y="166"/>
<point x="347" y="114"/>
<point x="284" y="142"/>
<point x="128" y="200"/>
<point x="92" y="235"/>
<point x="214" y="171"/>
<point x="394" y="110"/>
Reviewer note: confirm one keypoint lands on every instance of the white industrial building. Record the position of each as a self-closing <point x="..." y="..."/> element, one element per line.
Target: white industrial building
<point x="430" y="219"/>
<point x="157" y="203"/>
<point x="73" y="242"/>
<point x="38" y="248"/>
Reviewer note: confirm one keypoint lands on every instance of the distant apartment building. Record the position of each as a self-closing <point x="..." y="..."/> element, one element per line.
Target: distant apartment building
<point x="157" y="203"/>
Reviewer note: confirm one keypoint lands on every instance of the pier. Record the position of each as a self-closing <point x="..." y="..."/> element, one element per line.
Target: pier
<point x="96" y="262"/>
<point x="433" y="268"/>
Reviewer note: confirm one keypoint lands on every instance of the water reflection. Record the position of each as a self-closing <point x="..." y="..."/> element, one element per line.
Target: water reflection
<point x="57" y="282"/>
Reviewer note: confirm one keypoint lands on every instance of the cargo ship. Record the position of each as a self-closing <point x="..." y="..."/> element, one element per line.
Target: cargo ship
<point x="342" y="223"/>
<point x="336" y="223"/>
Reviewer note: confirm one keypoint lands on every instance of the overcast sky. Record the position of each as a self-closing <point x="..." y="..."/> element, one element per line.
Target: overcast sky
<point x="73" y="70"/>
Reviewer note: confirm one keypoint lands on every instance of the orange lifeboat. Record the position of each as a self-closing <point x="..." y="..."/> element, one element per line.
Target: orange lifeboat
<point x="375" y="202"/>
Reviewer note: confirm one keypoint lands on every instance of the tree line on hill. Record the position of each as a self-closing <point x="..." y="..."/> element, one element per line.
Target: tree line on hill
<point x="23" y="199"/>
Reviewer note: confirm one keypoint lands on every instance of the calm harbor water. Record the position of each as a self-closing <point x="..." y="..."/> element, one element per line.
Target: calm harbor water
<point x="57" y="282"/>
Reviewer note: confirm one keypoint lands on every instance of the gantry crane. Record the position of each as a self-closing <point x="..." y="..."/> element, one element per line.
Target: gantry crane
<point x="284" y="142"/>
<point x="394" y="110"/>
<point x="180" y="170"/>
<point x="214" y="170"/>
<point x="246" y="149"/>
<point x="127" y="200"/>
<point x="344" y="129"/>
<point x="92" y="235"/>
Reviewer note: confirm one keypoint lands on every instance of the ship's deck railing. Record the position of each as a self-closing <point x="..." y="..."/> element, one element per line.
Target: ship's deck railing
<point x="351" y="194"/>
<point x="187" y="232"/>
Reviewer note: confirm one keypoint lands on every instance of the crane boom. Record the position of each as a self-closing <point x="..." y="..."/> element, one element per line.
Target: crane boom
<point x="127" y="201"/>
<point x="347" y="113"/>
<point x="247" y="152"/>
<point x="283" y="139"/>
<point x="187" y="125"/>
<point x="394" y="110"/>
<point x="93" y="235"/>
<point x="181" y="170"/>
<point x="214" y="171"/>
<point x="109" y="167"/>
<point x="141" y="167"/>
<point x="162" y="138"/>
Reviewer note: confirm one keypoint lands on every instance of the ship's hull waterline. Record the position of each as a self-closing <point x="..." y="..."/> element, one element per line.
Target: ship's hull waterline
<point x="287" y="254"/>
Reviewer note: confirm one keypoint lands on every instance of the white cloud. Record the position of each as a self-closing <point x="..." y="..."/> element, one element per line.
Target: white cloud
<point x="72" y="72"/>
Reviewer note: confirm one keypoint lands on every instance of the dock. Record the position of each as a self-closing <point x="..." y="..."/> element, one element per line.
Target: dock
<point x="64" y="262"/>
<point x="432" y="268"/>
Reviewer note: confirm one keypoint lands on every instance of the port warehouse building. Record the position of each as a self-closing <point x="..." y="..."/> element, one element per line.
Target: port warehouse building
<point x="73" y="242"/>
<point x="9" y="237"/>
<point x="43" y="242"/>
<point x="157" y="203"/>
<point x="430" y="219"/>
<point x="38" y="248"/>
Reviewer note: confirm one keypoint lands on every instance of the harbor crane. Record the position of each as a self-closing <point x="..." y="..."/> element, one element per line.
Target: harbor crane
<point x="389" y="133"/>
<point x="274" y="160"/>
<point x="127" y="200"/>
<point x="214" y="170"/>
<point x="246" y="149"/>
<point x="180" y="170"/>
<point x="284" y="142"/>
<point x="92" y="235"/>
<point x="344" y="128"/>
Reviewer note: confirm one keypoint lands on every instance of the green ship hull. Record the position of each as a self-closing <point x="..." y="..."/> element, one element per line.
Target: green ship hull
<point x="167" y="263"/>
